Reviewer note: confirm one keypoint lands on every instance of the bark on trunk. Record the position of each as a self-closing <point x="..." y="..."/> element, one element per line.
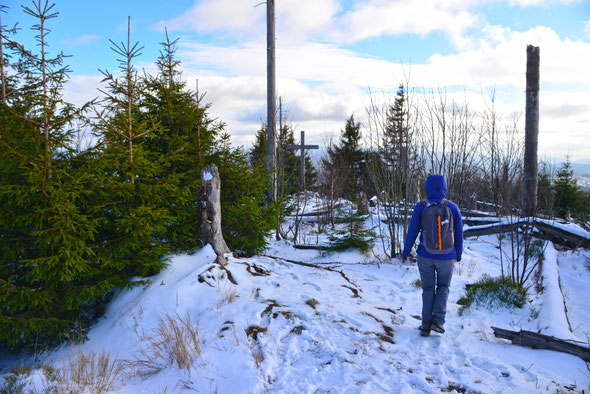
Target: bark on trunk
<point x="270" y="103"/>
<point x="211" y="212"/>
<point x="531" y="131"/>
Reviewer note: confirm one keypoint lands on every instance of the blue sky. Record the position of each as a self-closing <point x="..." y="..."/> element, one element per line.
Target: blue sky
<point x="331" y="52"/>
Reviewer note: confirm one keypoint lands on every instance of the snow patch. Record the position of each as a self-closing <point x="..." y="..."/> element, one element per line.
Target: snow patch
<point x="552" y="318"/>
<point x="207" y="176"/>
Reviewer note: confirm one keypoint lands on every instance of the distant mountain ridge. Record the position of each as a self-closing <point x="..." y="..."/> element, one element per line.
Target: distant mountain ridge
<point x="581" y="168"/>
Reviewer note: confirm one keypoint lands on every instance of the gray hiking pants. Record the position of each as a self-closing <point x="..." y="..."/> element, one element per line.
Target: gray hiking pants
<point x="435" y="276"/>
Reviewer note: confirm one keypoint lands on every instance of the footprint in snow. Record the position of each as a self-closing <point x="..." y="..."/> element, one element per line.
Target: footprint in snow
<point x="316" y="287"/>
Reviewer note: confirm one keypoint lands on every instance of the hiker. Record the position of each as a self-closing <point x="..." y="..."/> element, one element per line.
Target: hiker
<point x="438" y="221"/>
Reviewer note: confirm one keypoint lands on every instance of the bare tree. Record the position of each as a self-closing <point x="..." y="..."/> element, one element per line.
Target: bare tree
<point x="392" y="166"/>
<point x="449" y="141"/>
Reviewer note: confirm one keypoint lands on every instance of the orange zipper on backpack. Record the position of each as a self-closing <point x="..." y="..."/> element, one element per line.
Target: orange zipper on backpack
<point x="439" y="235"/>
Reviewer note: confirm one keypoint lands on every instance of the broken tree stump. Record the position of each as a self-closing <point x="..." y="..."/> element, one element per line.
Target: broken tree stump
<point x="540" y="341"/>
<point x="362" y="205"/>
<point x="211" y="212"/>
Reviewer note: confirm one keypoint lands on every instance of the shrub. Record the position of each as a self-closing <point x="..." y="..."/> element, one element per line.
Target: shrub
<point x="494" y="293"/>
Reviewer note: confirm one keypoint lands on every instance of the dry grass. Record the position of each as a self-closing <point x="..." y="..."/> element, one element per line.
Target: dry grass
<point x="78" y="372"/>
<point x="175" y="341"/>
<point x="228" y="295"/>
<point x="16" y="381"/>
<point x="82" y="372"/>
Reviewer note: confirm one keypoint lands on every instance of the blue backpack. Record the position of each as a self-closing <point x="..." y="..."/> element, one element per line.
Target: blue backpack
<point x="438" y="235"/>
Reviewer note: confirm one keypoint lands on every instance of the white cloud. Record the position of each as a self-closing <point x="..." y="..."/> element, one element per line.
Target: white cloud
<point x="322" y="83"/>
<point x="82" y="40"/>
<point x="382" y="17"/>
<point x="500" y="59"/>
<point x="81" y="89"/>
<point x="219" y="15"/>
<point x="300" y="19"/>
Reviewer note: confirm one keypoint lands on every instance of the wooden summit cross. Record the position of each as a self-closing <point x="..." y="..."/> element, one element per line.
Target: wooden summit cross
<point x="302" y="147"/>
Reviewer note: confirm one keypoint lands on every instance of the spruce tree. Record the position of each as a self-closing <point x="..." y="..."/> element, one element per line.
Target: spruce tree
<point x="566" y="190"/>
<point x="394" y="150"/>
<point x="346" y="159"/>
<point x="258" y="151"/>
<point x="136" y="192"/>
<point x="48" y="286"/>
<point x="184" y="141"/>
<point x="354" y="235"/>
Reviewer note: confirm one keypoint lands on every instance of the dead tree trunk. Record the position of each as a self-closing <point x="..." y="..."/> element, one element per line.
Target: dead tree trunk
<point x="270" y="98"/>
<point x="531" y="131"/>
<point x="362" y="205"/>
<point x="211" y="212"/>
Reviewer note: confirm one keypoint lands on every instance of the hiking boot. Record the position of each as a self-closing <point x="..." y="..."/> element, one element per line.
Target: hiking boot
<point x="436" y="328"/>
<point x="424" y="332"/>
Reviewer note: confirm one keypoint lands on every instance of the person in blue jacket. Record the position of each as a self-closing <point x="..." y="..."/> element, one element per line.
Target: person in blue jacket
<point x="436" y="270"/>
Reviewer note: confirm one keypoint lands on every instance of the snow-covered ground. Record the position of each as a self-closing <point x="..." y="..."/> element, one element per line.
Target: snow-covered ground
<point x="341" y="324"/>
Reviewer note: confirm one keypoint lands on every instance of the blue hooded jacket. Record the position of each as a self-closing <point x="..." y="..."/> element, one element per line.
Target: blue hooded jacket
<point x="436" y="190"/>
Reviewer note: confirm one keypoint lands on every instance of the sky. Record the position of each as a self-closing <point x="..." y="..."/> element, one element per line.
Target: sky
<point x="331" y="54"/>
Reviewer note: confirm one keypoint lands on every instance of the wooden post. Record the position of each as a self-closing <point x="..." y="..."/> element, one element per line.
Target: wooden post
<point x="211" y="212"/>
<point x="302" y="147"/>
<point x="270" y="97"/>
<point x="531" y="131"/>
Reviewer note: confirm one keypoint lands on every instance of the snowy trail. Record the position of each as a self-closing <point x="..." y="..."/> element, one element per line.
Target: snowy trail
<point x="287" y="328"/>
<point x="342" y="347"/>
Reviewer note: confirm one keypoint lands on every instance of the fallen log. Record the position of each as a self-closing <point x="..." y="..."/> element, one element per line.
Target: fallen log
<point x="477" y="214"/>
<point x="539" y="341"/>
<point x="306" y="214"/>
<point x="311" y="247"/>
<point x="556" y="232"/>
<point x="491" y="229"/>
<point x="560" y="235"/>
<point x="480" y="221"/>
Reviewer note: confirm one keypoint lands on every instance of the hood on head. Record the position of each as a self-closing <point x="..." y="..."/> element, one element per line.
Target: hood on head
<point x="435" y="187"/>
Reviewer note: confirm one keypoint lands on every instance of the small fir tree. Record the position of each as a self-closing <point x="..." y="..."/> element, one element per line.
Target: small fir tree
<point x="354" y="235"/>
<point x="566" y="190"/>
